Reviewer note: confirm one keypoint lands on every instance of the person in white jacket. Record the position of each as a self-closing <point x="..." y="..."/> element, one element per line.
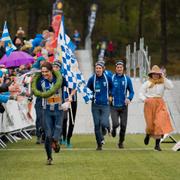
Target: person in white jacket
<point x="155" y="111"/>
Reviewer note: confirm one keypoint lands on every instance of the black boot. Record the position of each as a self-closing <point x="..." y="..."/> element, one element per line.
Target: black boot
<point x="104" y="131"/>
<point x="120" y="145"/>
<point x="113" y="132"/>
<point x="49" y="161"/>
<point x="99" y="147"/>
<point x="157" y="146"/>
<point x="146" y="139"/>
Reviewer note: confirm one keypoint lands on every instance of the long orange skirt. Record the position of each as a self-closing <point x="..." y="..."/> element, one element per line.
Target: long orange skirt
<point x="157" y="117"/>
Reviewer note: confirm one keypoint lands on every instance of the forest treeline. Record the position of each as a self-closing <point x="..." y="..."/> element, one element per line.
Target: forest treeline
<point x="122" y="21"/>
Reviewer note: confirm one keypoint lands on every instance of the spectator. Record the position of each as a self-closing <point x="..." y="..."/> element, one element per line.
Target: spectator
<point x="40" y="60"/>
<point x="19" y="38"/>
<point x="46" y="36"/>
<point x="26" y="47"/>
<point x="110" y="50"/>
<point x="18" y="42"/>
<point x="20" y="33"/>
<point x="37" y="41"/>
<point x="5" y="91"/>
<point x="37" y="52"/>
<point x="2" y="49"/>
<point x="76" y="38"/>
<point x="22" y="70"/>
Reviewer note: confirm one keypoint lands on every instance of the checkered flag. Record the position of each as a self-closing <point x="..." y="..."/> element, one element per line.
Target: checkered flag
<point x="8" y="44"/>
<point x="71" y="71"/>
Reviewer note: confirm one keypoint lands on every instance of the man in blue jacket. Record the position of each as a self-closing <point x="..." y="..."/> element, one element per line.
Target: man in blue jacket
<point x="119" y="109"/>
<point x="37" y="41"/>
<point x="101" y="85"/>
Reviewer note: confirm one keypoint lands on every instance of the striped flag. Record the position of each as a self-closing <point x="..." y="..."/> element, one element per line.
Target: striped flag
<point x="8" y="44"/>
<point x="71" y="71"/>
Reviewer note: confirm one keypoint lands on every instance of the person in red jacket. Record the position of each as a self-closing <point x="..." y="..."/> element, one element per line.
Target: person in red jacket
<point x="110" y="50"/>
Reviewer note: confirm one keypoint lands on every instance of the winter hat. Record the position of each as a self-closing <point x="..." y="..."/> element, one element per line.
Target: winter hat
<point x="41" y="58"/>
<point x="37" y="63"/>
<point x="100" y="63"/>
<point x="57" y="63"/>
<point x="119" y="62"/>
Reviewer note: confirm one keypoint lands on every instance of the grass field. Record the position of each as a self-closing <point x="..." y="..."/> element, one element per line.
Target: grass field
<point x="27" y="161"/>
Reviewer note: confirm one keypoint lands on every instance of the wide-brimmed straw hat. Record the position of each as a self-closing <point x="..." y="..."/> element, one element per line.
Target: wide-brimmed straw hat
<point x="155" y="70"/>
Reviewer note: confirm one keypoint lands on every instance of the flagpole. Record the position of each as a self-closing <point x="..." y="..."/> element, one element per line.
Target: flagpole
<point x="71" y="114"/>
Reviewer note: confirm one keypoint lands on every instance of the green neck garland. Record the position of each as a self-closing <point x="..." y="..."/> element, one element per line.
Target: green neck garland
<point x="50" y="92"/>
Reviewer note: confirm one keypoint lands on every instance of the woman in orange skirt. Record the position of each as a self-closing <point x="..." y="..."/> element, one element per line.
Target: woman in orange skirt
<point x="155" y="111"/>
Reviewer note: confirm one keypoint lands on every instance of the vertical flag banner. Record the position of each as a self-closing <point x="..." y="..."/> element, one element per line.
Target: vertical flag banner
<point x="8" y="44"/>
<point x="71" y="71"/>
<point x="92" y="18"/>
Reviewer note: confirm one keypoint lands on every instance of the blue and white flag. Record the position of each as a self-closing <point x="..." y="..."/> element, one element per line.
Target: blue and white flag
<point x="70" y="44"/>
<point x="71" y="71"/>
<point x="8" y="44"/>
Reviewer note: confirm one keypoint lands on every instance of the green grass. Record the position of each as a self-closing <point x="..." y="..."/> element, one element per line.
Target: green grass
<point x="26" y="160"/>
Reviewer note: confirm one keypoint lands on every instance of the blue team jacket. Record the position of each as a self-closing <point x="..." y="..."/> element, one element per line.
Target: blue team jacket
<point x="121" y="84"/>
<point x="101" y="87"/>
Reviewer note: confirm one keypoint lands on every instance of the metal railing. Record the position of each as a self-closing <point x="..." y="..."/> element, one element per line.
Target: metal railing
<point x="138" y="61"/>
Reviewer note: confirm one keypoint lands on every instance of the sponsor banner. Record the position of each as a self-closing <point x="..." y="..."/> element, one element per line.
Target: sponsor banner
<point x="16" y="116"/>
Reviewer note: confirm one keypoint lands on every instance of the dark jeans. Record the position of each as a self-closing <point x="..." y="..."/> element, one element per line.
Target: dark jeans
<point x="101" y="120"/>
<point x="39" y="119"/>
<point x="71" y="121"/>
<point x="119" y="117"/>
<point x="53" y="127"/>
